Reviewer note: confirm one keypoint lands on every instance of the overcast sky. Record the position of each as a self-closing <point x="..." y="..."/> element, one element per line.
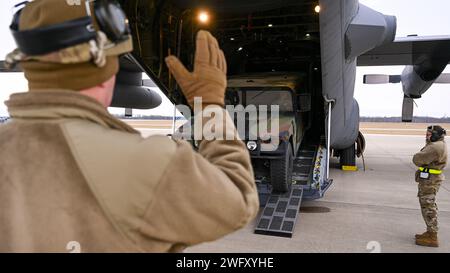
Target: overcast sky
<point x="413" y="17"/>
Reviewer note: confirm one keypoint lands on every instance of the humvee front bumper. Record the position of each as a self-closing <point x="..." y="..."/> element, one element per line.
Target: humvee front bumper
<point x="277" y="154"/>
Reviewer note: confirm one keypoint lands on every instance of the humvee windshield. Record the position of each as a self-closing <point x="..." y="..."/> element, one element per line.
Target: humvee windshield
<point x="257" y="97"/>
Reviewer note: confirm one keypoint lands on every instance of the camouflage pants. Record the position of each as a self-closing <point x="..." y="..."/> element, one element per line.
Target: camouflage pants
<point x="427" y="199"/>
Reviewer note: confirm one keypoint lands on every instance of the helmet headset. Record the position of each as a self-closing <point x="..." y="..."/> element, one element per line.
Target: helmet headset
<point x="437" y="132"/>
<point x="110" y="17"/>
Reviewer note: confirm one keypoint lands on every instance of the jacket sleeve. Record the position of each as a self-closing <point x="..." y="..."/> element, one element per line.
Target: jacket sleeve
<point x="426" y="156"/>
<point x="204" y="195"/>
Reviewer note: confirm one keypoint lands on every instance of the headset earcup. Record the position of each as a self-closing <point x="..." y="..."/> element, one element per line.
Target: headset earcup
<point x="435" y="136"/>
<point x="16" y="17"/>
<point x="101" y="16"/>
<point x="105" y="13"/>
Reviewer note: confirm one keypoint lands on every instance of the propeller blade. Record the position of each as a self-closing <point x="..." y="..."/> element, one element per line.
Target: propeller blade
<point x="443" y="79"/>
<point x="408" y="109"/>
<point x="376" y="79"/>
<point x="381" y="79"/>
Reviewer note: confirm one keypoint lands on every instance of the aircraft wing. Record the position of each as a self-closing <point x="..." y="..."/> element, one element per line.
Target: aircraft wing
<point x="411" y="50"/>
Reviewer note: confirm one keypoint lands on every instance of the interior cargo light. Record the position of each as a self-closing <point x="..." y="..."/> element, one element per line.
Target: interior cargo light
<point x="203" y="17"/>
<point x="317" y="9"/>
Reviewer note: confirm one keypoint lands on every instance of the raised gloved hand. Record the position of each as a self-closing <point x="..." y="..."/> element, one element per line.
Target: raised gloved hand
<point x="208" y="80"/>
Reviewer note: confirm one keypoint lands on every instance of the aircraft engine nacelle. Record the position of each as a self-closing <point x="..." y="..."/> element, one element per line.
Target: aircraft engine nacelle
<point x="347" y="30"/>
<point x="417" y="79"/>
<point x="130" y="91"/>
<point x="134" y="95"/>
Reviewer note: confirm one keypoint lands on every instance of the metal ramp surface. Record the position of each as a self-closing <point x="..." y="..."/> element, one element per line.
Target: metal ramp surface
<point x="280" y="213"/>
<point x="303" y="165"/>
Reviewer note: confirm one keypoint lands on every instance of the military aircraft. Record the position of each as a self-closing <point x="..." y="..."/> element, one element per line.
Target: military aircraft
<point x="324" y="40"/>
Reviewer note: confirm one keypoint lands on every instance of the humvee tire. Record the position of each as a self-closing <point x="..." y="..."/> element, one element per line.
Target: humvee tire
<point x="281" y="171"/>
<point x="348" y="156"/>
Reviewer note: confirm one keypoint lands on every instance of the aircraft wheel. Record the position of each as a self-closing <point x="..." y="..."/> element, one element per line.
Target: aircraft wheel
<point x="281" y="171"/>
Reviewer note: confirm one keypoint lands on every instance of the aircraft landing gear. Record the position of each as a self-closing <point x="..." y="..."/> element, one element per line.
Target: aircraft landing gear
<point x="347" y="157"/>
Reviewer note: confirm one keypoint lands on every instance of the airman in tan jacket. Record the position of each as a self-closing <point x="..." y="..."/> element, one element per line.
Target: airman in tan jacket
<point x="71" y="172"/>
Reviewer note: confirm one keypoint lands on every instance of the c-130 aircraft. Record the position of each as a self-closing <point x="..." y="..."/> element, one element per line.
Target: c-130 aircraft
<point x="307" y="48"/>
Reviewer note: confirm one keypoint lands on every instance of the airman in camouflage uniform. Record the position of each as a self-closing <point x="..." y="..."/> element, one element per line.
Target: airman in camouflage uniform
<point x="431" y="160"/>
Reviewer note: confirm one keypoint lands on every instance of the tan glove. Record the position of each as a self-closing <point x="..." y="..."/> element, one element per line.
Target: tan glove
<point x="209" y="79"/>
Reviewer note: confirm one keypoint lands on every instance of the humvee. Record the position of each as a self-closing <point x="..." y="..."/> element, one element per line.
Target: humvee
<point x="273" y="159"/>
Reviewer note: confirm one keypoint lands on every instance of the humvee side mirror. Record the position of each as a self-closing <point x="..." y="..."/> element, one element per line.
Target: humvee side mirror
<point x="303" y="102"/>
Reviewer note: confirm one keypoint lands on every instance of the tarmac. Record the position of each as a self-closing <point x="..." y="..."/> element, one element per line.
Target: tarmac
<point x="375" y="210"/>
<point x="364" y="211"/>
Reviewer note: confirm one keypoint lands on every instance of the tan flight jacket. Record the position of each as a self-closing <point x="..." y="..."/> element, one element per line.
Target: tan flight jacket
<point x="433" y="156"/>
<point x="71" y="172"/>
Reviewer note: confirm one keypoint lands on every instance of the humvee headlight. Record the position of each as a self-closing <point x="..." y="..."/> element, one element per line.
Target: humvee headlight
<point x="252" y="145"/>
